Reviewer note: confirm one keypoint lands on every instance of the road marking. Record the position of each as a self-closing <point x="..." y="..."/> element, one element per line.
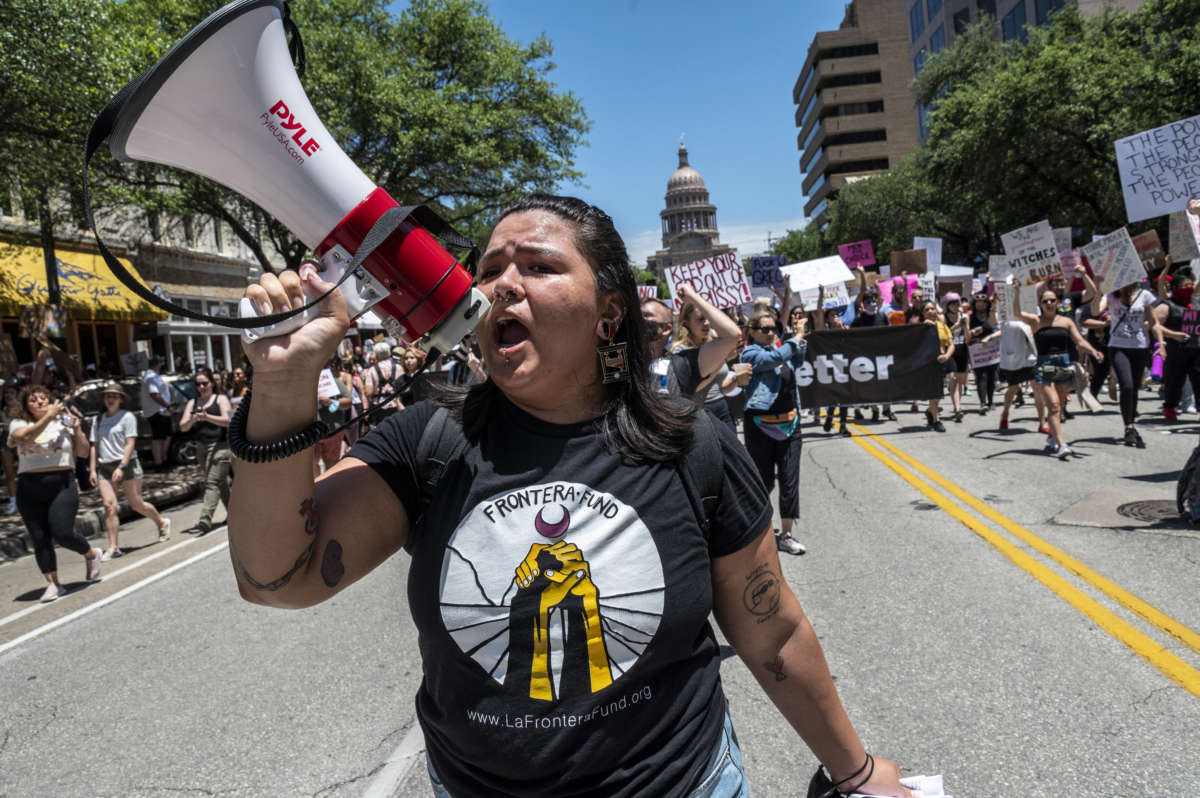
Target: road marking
<point x="398" y="765"/>
<point x="1145" y="647"/>
<point x="82" y="611"/>
<point x="1137" y="606"/>
<point x="16" y="616"/>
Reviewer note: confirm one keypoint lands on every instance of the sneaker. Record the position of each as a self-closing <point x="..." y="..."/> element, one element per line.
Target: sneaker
<point x="93" y="565"/>
<point x="874" y="414"/>
<point x="1169" y="414"/>
<point x="889" y="415"/>
<point x="858" y="416"/>
<point x="165" y="532"/>
<point x="983" y="411"/>
<point x="844" y="431"/>
<point x="1067" y="415"/>
<point x="929" y="422"/>
<point x="53" y="591"/>
<point x="202" y="527"/>
<point x="786" y="543"/>
<point x="11" y="507"/>
<point x="828" y="425"/>
<point x="111" y="554"/>
<point x="1131" y="437"/>
<point x="1063" y="452"/>
<point x="1137" y="440"/>
<point x="958" y="417"/>
<point x="938" y="427"/>
<point x="1051" y="444"/>
<point x="914" y="408"/>
<point x="1003" y="422"/>
<point x="1019" y="401"/>
<point x="1190" y="410"/>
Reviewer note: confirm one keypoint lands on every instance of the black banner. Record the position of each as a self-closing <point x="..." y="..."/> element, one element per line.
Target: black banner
<point x="871" y="365"/>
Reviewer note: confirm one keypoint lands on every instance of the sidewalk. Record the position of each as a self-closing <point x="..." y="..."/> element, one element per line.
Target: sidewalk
<point x="161" y="488"/>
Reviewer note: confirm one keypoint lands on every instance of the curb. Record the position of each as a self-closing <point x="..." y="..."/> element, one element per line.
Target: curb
<point x="90" y="523"/>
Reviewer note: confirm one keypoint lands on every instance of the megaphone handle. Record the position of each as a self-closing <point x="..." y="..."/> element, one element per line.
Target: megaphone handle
<point x="332" y="272"/>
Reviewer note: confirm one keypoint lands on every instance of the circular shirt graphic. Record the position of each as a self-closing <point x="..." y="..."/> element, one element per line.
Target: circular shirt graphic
<point x="555" y="590"/>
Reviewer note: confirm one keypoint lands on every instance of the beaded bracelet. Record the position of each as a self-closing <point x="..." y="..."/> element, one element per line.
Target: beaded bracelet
<point x="269" y="452"/>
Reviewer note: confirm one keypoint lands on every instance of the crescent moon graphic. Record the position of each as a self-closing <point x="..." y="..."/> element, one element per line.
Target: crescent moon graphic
<point x="552" y="530"/>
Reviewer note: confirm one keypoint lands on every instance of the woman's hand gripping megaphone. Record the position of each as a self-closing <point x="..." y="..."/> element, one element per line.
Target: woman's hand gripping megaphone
<point x="302" y="353"/>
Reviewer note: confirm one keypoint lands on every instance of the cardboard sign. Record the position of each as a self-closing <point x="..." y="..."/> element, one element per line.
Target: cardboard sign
<point x="1062" y="238"/>
<point x="1114" y="260"/>
<point x="998" y="268"/>
<point x="719" y="279"/>
<point x="764" y="271"/>
<point x="1149" y="249"/>
<point x="928" y="285"/>
<point x="1003" y="299"/>
<point x="859" y="253"/>
<point x="836" y="296"/>
<point x="912" y="261"/>
<point x="933" y="251"/>
<point x="826" y="271"/>
<point x="984" y="354"/>
<point x="1160" y="169"/>
<point x="647" y="292"/>
<point x="327" y="385"/>
<point x="1184" y="237"/>
<point x="1033" y="258"/>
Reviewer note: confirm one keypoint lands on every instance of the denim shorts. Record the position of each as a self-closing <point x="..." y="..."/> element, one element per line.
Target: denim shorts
<point x="724" y="778"/>
<point x="1053" y="369"/>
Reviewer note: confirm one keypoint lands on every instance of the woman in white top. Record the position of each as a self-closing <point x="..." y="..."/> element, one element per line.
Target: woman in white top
<point x="1131" y="323"/>
<point x="114" y="462"/>
<point x="1018" y="357"/>
<point x="46" y="436"/>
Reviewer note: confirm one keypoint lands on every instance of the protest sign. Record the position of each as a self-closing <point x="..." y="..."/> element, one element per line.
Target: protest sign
<point x="887" y="288"/>
<point x="1150" y="250"/>
<point x="860" y="253"/>
<point x="1003" y="298"/>
<point x="764" y="271"/>
<point x="1160" y="169"/>
<point x="719" y="279"/>
<point x="933" y="251"/>
<point x="928" y="285"/>
<point x="647" y="291"/>
<point x="1114" y="260"/>
<point x="1062" y="238"/>
<point x="870" y="365"/>
<point x="912" y="261"/>
<point x="1191" y="321"/>
<point x="1033" y="258"/>
<point x="984" y="354"/>
<point x="1184" y="238"/>
<point x="327" y="385"/>
<point x="885" y="270"/>
<point x="998" y="268"/>
<point x="815" y="273"/>
<point x="836" y="296"/>
<point x="976" y="285"/>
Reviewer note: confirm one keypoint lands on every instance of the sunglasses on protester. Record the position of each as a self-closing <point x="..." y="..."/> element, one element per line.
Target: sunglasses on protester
<point x="767" y="330"/>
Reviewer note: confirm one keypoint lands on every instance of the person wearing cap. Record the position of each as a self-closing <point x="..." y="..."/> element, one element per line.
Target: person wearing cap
<point x="114" y="462"/>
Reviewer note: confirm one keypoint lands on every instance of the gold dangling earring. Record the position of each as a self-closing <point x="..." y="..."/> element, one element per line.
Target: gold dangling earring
<point x="614" y="358"/>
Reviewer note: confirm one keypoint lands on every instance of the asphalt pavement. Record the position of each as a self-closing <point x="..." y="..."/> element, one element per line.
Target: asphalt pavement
<point x="1024" y="626"/>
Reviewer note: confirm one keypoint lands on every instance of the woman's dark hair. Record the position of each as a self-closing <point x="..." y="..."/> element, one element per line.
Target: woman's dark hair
<point x="637" y="421"/>
<point x="1184" y="273"/>
<point x="28" y="391"/>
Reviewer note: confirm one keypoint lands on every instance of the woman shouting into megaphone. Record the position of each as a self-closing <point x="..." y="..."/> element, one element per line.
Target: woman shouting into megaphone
<point x="570" y="532"/>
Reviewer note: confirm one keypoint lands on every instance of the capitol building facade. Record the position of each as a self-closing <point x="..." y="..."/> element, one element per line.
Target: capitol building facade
<point x="689" y="220"/>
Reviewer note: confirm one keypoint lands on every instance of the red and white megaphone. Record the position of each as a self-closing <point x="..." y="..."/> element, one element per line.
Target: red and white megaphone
<point x="225" y="103"/>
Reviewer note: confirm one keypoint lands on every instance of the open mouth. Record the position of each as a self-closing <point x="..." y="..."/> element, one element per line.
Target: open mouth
<point x="509" y="334"/>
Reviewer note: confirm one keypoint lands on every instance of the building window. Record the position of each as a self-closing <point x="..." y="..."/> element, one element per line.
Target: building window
<point x="1013" y="24"/>
<point x="962" y="19"/>
<point x="923" y="121"/>
<point x="849" y="51"/>
<point x="919" y="61"/>
<point x="934" y="7"/>
<point x="867" y="165"/>
<point x="937" y="39"/>
<point x="916" y="20"/>
<point x="853" y="79"/>
<point x="850" y="109"/>
<point x="856" y="137"/>
<point x="1044" y="8"/>
<point x="986" y="6"/>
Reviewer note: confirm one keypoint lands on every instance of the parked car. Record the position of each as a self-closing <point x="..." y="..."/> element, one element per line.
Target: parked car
<point x="87" y="396"/>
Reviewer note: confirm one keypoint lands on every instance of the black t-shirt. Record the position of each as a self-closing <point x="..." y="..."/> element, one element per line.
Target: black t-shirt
<point x="677" y="373"/>
<point x="864" y="319"/>
<point x="615" y="690"/>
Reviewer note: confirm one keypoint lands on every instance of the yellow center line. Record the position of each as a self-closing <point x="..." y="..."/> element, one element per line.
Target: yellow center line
<point x="1145" y="647"/>
<point x="1137" y="606"/>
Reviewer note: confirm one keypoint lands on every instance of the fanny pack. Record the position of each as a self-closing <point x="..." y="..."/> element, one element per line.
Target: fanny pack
<point x="778" y="426"/>
<point x="1052" y="372"/>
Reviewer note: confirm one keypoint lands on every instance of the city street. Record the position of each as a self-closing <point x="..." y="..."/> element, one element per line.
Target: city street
<point x="989" y="613"/>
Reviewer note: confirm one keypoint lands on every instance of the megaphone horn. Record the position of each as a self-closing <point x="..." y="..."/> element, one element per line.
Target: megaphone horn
<point x="226" y="103"/>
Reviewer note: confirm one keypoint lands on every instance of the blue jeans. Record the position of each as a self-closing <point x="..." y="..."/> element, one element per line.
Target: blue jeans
<point x="724" y="778"/>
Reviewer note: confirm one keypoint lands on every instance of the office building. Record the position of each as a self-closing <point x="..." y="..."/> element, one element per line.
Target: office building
<point x="854" y="108"/>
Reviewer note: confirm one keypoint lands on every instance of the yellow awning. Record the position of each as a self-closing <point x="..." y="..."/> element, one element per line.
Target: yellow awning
<point x="89" y="290"/>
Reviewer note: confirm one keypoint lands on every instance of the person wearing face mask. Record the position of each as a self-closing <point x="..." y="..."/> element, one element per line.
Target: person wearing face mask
<point x="981" y="330"/>
<point x="682" y="373"/>
<point x="1132" y="326"/>
<point x="1182" y="352"/>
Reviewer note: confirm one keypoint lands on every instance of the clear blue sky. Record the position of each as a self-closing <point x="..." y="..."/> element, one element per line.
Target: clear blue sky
<point x="648" y="70"/>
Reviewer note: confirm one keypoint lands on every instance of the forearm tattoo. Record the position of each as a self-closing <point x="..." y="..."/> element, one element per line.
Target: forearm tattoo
<point x="308" y="509"/>
<point x="281" y="581"/>
<point x="776" y="668"/>
<point x="761" y="596"/>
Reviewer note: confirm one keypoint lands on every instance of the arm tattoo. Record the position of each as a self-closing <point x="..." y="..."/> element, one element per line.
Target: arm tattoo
<point x="281" y="581"/>
<point x="308" y="509"/>
<point x="776" y="668"/>
<point x="761" y="596"/>
<point x="332" y="569"/>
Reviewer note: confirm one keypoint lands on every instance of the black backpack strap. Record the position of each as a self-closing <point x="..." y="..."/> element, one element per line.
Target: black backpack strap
<point x="441" y="443"/>
<point x="702" y="470"/>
